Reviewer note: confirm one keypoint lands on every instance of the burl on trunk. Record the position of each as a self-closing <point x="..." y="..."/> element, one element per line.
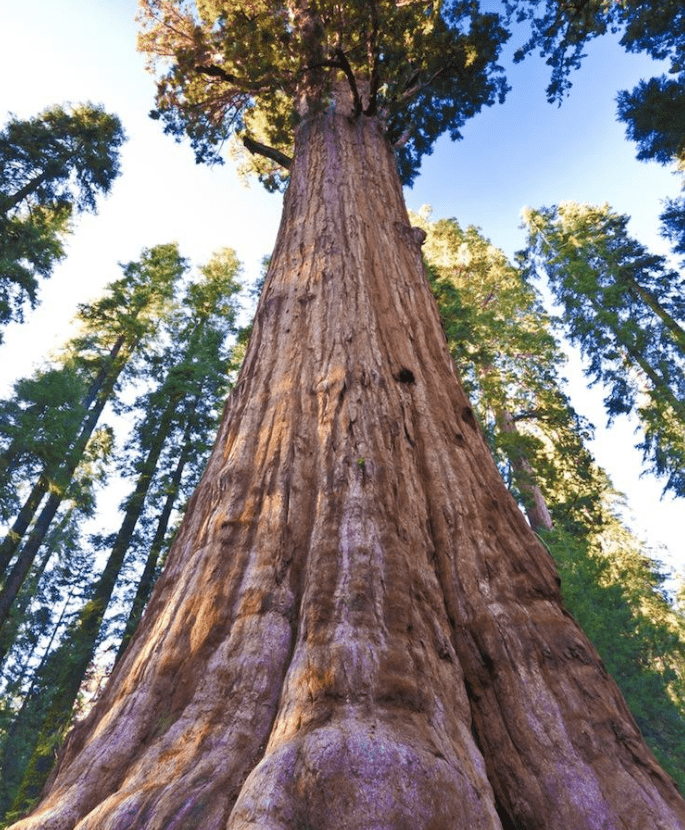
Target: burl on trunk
<point x="356" y="628"/>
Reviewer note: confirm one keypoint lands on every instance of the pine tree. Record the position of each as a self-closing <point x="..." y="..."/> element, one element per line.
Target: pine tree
<point x="355" y="625"/>
<point x="625" y="309"/>
<point x="53" y="166"/>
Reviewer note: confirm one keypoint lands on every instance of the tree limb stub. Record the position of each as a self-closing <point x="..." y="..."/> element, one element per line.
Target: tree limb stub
<point x="216" y="72"/>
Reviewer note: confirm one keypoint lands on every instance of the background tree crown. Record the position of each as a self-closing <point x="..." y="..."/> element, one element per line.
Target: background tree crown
<point x="64" y="156"/>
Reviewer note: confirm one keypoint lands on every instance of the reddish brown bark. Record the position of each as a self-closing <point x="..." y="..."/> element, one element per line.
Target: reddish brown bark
<point x="356" y="628"/>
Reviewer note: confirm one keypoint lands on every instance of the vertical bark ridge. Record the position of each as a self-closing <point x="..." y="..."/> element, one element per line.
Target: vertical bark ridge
<point x="353" y="593"/>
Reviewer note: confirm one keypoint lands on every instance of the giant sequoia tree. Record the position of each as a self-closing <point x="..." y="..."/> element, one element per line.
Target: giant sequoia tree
<point x="355" y="626"/>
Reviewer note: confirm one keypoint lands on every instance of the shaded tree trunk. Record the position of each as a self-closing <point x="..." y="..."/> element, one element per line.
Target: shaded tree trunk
<point x="12" y="540"/>
<point x="147" y="578"/>
<point x="10" y="202"/>
<point x="535" y="504"/>
<point x="18" y="743"/>
<point x="355" y="626"/>
<point x="14" y="537"/>
<point x="28" y="553"/>
<point x="648" y="298"/>
<point x="9" y="631"/>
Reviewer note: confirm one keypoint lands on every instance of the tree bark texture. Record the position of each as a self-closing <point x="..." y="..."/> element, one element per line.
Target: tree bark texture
<point x="355" y="628"/>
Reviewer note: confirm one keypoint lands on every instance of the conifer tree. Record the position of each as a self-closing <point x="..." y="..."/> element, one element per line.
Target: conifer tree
<point x="625" y="309"/>
<point x="53" y="166"/>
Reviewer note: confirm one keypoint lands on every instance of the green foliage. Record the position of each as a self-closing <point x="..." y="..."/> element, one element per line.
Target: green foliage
<point x="560" y="31"/>
<point x="673" y="225"/>
<point x="625" y="308"/>
<point x="131" y="306"/>
<point x="509" y="362"/>
<point x="253" y="69"/>
<point x="37" y="427"/>
<point x="655" y="114"/>
<point x="53" y="166"/>
<point x="29" y="248"/>
<point x="616" y="594"/>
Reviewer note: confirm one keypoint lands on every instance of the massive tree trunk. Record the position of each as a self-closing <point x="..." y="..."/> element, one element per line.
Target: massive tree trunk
<point x="355" y="628"/>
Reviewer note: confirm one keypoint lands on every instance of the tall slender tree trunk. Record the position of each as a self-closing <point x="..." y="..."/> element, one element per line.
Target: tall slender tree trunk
<point x="9" y="202"/>
<point x="14" y="537"/>
<point x="147" y="578"/>
<point x="26" y="724"/>
<point x="535" y="504"/>
<point x="659" y="382"/>
<point x="9" y="632"/>
<point x="28" y="553"/>
<point x="355" y="626"/>
<point x="676" y="330"/>
<point x="15" y="534"/>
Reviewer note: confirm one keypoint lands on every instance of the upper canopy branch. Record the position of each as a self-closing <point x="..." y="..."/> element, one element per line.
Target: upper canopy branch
<point x="243" y="84"/>
<point x="343" y="63"/>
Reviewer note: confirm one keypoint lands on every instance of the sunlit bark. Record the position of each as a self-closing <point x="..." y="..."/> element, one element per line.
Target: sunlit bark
<point x="355" y="628"/>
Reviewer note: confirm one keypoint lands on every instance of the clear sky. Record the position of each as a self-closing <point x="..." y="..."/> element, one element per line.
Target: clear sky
<point x="523" y="153"/>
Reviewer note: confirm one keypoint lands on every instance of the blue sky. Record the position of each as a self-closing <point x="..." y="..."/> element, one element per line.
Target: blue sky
<point x="523" y="153"/>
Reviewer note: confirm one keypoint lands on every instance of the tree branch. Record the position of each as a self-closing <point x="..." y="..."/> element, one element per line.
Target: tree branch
<point x="349" y="74"/>
<point x="215" y="71"/>
<point x="410" y="92"/>
<point x="256" y="147"/>
<point x="344" y="64"/>
<point x="241" y="84"/>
